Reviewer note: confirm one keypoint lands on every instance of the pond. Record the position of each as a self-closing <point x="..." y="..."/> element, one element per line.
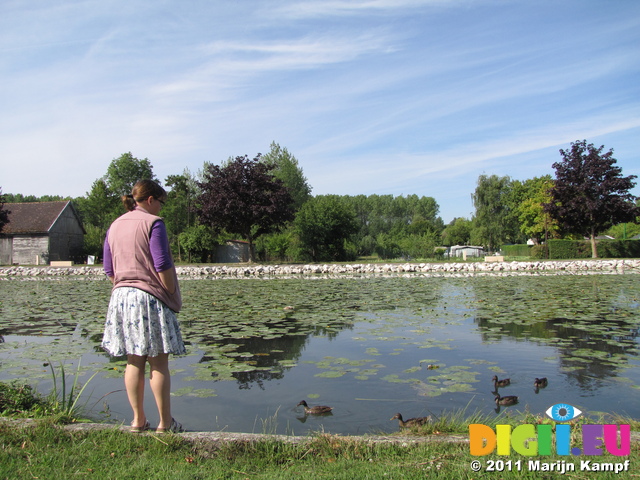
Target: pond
<point x="369" y="346"/>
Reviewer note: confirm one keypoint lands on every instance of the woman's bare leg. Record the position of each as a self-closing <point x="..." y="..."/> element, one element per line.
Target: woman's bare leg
<point x="160" y="380"/>
<point x="134" y="383"/>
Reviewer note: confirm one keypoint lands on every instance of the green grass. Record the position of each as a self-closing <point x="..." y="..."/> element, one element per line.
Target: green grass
<point x="48" y="451"/>
<point x="44" y="449"/>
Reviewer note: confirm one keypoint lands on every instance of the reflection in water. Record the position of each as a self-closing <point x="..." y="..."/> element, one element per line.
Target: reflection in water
<point x="367" y="344"/>
<point x="592" y="321"/>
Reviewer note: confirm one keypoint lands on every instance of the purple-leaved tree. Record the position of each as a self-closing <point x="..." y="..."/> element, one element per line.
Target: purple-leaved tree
<point x="243" y="197"/>
<point x="589" y="193"/>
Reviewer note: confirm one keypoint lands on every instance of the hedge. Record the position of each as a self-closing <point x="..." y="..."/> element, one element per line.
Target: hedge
<point x="562" y="249"/>
<point x="619" y="248"/>
<point x="518" y="250"/>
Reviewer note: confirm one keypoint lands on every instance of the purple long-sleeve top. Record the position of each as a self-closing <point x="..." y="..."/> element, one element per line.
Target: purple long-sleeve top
<point x="158" y="244"/>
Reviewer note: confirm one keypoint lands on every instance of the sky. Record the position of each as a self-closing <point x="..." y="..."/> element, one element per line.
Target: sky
<point x="387" y="97"/>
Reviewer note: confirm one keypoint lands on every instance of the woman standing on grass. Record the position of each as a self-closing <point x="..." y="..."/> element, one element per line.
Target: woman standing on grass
<point x="141" y="320"/>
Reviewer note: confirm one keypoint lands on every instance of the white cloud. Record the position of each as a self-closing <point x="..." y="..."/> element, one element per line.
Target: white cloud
<point x="371" y="96"/>
<point x="319" y="8"/>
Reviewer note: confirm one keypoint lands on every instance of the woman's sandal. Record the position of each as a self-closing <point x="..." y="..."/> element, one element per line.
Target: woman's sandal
<point x="141" y="429"/>
<point x="174" y="428"/>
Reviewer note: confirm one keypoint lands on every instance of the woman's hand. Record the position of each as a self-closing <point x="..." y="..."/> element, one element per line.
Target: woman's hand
<point x="168" y="279"/>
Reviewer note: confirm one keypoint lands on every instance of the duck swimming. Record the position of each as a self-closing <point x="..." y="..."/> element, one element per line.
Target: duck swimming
<point x="506" y="401"/>
<point x="315" y="410"/>
<point x="500" y="383"/>
<point x="540" y="382"/>
<point x="411" y="422"/>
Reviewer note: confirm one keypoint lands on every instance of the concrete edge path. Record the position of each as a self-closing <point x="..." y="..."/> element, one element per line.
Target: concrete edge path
<point x="217" y="438"/>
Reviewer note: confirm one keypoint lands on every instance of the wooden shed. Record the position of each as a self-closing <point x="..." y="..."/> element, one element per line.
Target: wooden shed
<point x="234" y="251"/>
<point x="41" y="232"/>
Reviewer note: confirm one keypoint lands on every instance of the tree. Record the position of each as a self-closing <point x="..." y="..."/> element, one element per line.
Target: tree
<point x="494" y="222"/>
<point x="20" y="198"/>
<point x="98" y="209"/>
<point x="286" y="168"/>
<point x="197" y="240"/>
<point x="178" y="213"/>
<point x="324" y="225"/>
<point x="244" y="198"/>
<point x="458" y="232"/>
<point x="535" y="222"/>
<point x="4" y="213"/>
<point x="590" y="194"/>
<point x="123" y="172"/>
<point x="102" y="204"/>
<point x="624" y="231"/>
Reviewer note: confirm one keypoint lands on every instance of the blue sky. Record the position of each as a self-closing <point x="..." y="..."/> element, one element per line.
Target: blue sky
<point x="372" y="97"/>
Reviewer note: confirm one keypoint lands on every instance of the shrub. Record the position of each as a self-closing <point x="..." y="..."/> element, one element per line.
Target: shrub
<point x="539" y="252"/>
<point x="17" y="399"/>
<point x="520" y="250"/>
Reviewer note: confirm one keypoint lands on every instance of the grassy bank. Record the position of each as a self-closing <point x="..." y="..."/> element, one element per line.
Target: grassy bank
<point x="47" y="451"/>
<point x="43" y="448"/>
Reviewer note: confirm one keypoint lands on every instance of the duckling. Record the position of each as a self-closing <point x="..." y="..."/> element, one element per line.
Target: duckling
<point x="506" y="401"/>
<point x="411" y="422"/>
<point x="315" y="410"/>
<point x="500" y="383"/>
<point x="540" y="382"/>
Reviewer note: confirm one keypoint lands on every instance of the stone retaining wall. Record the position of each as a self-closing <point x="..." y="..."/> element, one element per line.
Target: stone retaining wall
<point x="246" y="270"/>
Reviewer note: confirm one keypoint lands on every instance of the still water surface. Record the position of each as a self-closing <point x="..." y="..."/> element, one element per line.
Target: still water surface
<point x="367" y="346"/>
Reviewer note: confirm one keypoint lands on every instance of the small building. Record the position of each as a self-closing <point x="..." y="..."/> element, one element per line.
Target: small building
<point x="465" y="251"/>
<point x="233" y="251"/>
<point x="41" y="232"/>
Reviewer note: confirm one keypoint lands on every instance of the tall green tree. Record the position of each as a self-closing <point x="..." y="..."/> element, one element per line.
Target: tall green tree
<point x="535" y="222"/>
<point x="325" y="225"/>
<point x="244" y="198"/>
<point x="179" y="210"/>
<point x="103" y="204"/>
<point x="590" y="194"/>
<point x="97" y="209"/>
<point x="387" y="219"/>
<point x="286" y="168"/>
<point x="494" y="221"/>
<point x="123" y="172"/>
<point x="100" y="206"/>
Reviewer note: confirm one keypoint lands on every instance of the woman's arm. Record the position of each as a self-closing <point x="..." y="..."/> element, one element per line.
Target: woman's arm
<point x="107" y="260"/>
<point x="161" y="254"/>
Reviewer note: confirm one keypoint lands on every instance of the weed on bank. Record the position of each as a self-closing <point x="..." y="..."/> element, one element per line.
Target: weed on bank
<point x="48" y="451"/>
<point x="42" y="448"/>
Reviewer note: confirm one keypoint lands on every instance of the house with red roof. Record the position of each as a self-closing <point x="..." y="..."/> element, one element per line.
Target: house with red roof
<point x="41" y="232"/>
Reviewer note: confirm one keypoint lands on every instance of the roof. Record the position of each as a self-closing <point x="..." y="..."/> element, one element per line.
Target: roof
<point x="32" y="218"/>
<point x="462" y="247"/>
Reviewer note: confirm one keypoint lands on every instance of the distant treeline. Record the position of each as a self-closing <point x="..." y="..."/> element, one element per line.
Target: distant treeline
<point x="329" y="227"/>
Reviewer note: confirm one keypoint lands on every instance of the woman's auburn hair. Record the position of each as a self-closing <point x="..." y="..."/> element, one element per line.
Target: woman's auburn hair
<point x="142" y="190"/>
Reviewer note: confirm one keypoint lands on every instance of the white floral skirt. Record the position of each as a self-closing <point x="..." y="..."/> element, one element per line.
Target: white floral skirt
<point x="140" y="324"/>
